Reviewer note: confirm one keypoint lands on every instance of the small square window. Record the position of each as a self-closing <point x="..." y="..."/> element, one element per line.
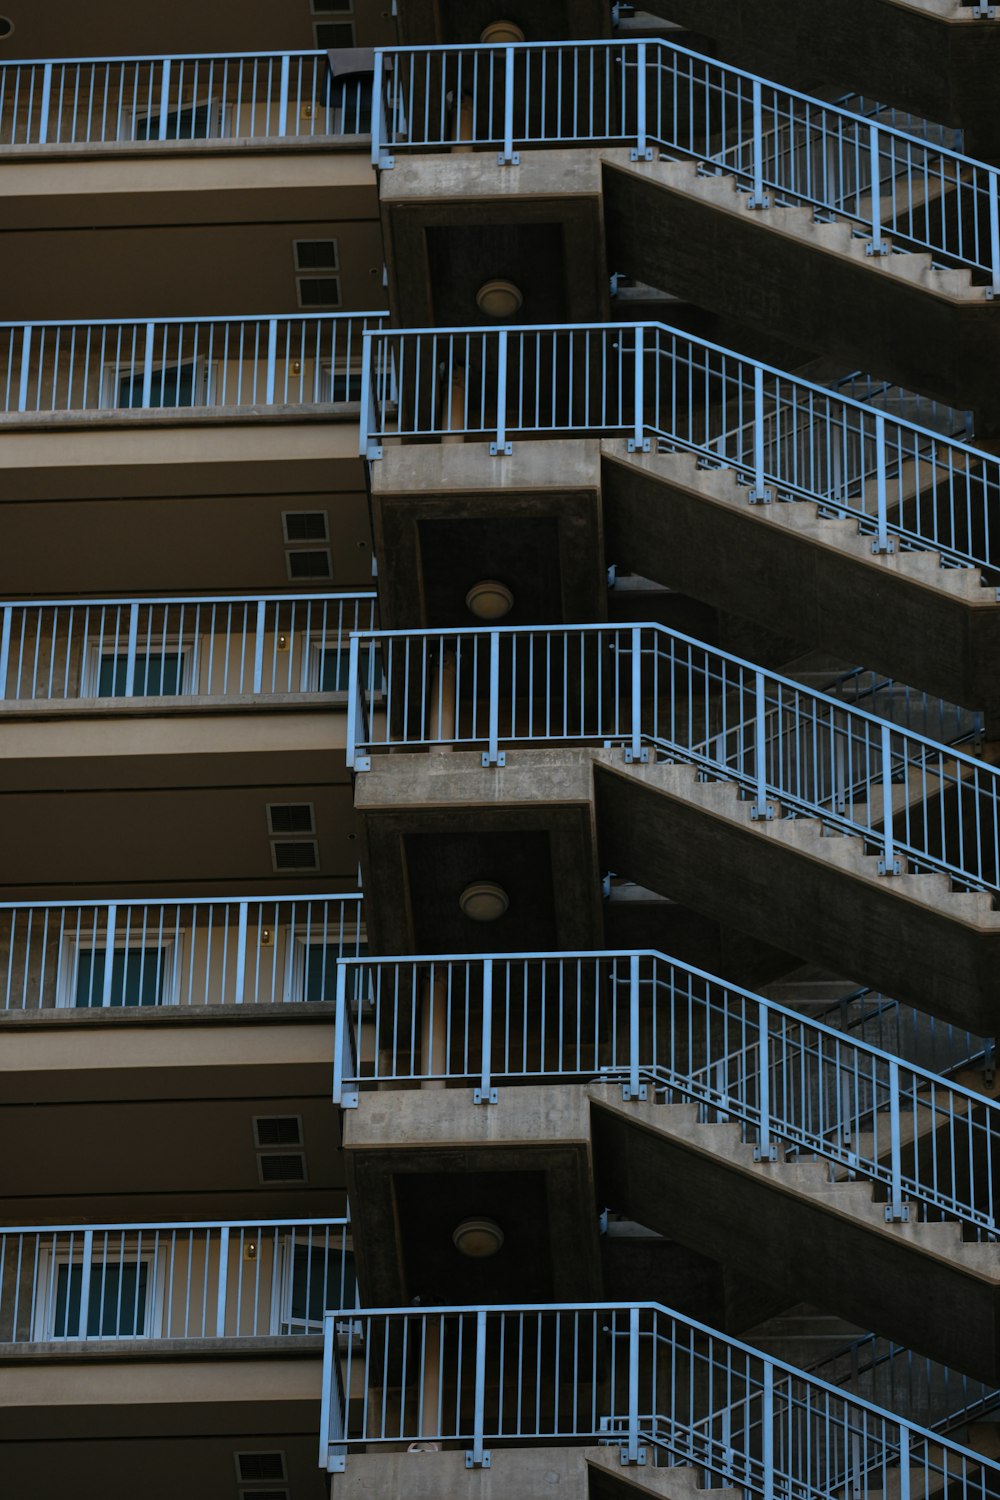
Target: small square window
<point x="319" y="291"/>
<point x="306" y="525"/>
<point x="331" y="35"/>
<point x="290" y="817"/>
<point x="316" y="255"/>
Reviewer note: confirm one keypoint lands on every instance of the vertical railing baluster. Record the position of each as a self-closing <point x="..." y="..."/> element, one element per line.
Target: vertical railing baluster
<point x="478" y="1456"/>
<point x="765" y="1149"/>
<point x="109" y="958"/>
<point x="632" y="1454"/>
<point x="876" y="245"/>
<point x="283" y="95"/>
<point x="508" y="156"/>
<point x="486" y="1093"/>
<point x="758" y="198"/>
<point x="223" y="1285"/>
<point x="760" y="494"/>
<point x="132" y="651"/>
<point x="882" y="542"/>
<point x="85" y="1275"/>
<point x="761" y="810"/>
<point x="43" y="123"/>
<point x="241" y="953"/>
<point x="258" y="646"/>
<point x="640" y="152"/>
<point x="22" y="393"/>
<point x="500" y="447"/>
<point x="888" y="864"/>
<point x="164" y="100"/>
<point x="896" y="1211"/>
<point x="493" y="756"/>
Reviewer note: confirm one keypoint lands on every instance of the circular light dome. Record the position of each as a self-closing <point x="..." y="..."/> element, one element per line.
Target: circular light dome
<point x="478" y="1238"/>
<point x="483" y="901"/>
<point x="499" y="299"/>
<point x="6" y="27"/>
<point x="502" y="31"/>
<point x="489" y="599"/>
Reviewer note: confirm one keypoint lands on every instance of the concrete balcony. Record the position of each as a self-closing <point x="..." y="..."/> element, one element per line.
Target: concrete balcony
<point x="141" y="179"/>
<point x="242" y="431"/>
<point x="161" y="731"/>
<point x="185" y="1346"/>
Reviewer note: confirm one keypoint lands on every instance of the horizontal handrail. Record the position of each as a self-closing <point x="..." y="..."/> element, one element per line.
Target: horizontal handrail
<point x="782" y="437"/>
<point x="635" y="1375"/>
<point x="180" y="99"/>
<point x="650" y="689"/>
<point x="785" y="147"/>
<point x="654" y="1023"/>
<point x="74" y="957"/>
<point x="232" y="364"/>
<point x="200" y="1280"/>
<point x="237" y="646"/>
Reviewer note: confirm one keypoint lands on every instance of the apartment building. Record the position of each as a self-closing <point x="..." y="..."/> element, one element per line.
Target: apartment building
<point x="499" y="696"/>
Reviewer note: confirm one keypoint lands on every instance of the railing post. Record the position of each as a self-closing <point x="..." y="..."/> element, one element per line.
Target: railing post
<point x="994" y="197"/>
<point x="765" y="1149"/>
<point x="258" y="646"/>
<point x="147" y="369"/>
<point x="22" y="393"/>
<point x="342" y="1050"/>
<point x="164" y="98"/>
<point x="632" y="1453"/>
<point x="501" y="448"/>
<point x="508" y="156"/>
<point x="353" y="698"/>
<point x="283" y="95"/>
<point x="638" y="442"/>
<point x="86" y="1270"/>
<point x="478" y="1458"/>
<point x="640" y="152"/>
<point x="636" y="752"/>
<point x="368" y="449"/>
<point x="381" y="156"/>
<point x="633" y="1089"/>
<point x="272" y="361"/>
<point x="758" y="198"/>
<point x="241" y="952"/>
<point x="43" y="121"/>
<point x="881" y="542"/>
<point x="133" y="646"/>
<point x="876" y="245"/>
<point x="767" y="1431"/>
<point x="5" y="629"/>
<point x="494" y="756"/>
<point x="888" y="864"/>
<point x="761" y="811"/>
<point x="486" y="1093"/>
<point x="896" y="1211"/>
<point x="109" y="958"/>
<point x="220" y="1302"/>
<point x="904" y="1462"/>
<point x="760" y="494"/>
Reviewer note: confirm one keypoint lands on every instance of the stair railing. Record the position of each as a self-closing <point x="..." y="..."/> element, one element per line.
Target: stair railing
<point x="662" y="1028"/>
<point x="655" y="692"/>
<point x="633" y="1376"/>
<point x="783" y="147"/>
<point x="782" y="437"/>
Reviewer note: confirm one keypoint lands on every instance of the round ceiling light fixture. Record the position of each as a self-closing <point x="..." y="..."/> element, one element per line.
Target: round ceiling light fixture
<point x="499" y="32"/>
<point x="483" y="901"/>
<point x="489" y="599"/>
<point x="6" y="27"/>
<point x="499" y="299"/>
<point x="478" y="1238"/>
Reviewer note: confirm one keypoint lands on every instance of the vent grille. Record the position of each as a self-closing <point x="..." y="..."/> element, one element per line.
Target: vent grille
<point x="282" y="1167"/>
<point x="290" y="817"/>
<point x="319" y="291"/>
<point x="256" y="1494"/>
<point x="315" y="255"/>
<point x="251" y="1467"/>
<point x="302" y="855"/>
<point x="306" y="525"/>
<point x="278" y="1130"/>
<point x="333" y="34"/>
<point x="309" y="564"/>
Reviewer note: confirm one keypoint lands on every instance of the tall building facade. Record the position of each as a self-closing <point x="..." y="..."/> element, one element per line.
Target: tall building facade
<point x="499" y="697"/>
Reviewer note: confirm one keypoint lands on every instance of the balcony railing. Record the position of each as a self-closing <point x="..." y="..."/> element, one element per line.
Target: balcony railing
<point x="637" y="1376"/>
<point x="782" y="437"/>
<point x="78" y="1284"/>
<point x="182" y="365"/>
<point x="781" y="146"/>
<point x="227" y="647"/>
<point x="660" y="1027"/>
<point x="656" y="692"/>
<point x="81" y="956"/>
<point x="133" y="102"/>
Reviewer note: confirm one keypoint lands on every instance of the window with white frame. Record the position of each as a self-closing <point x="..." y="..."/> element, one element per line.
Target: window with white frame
<point x="326" y="668"/>
<point x="173" y="383"/>
<point x="203" y="121"/>
<point x="124" y="1294"/>
<point x="168" y="670"/>
<point x="311" y="965"/>
<point x="143" y="973"/>
<point x="314" y="1279"/>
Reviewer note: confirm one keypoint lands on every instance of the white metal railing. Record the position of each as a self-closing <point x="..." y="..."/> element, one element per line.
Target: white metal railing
<point x="634" y="1375"/>
<point x="179" y="100"/>
<point x="182" y="364"/>
<point x="197" y="647"/>
<point x="73" y="1284"/>
<point x="80" y="956"/>
<point x="655" y="691"/>
<point x="900" y="191"/>
<point x="653" y="1023"/>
